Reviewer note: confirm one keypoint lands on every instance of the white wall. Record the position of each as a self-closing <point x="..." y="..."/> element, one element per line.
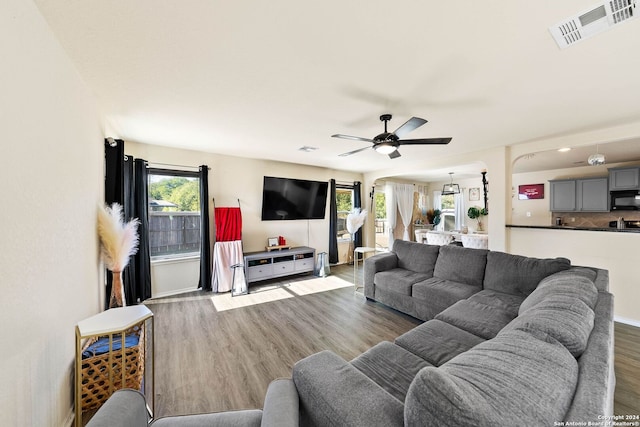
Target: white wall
<point x="232" y="178"/>
<point x="616" y="252"/>
<point x="51" y="170"/>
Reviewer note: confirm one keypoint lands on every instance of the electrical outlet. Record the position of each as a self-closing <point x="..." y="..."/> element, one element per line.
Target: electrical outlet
<point x="528" y="214"/>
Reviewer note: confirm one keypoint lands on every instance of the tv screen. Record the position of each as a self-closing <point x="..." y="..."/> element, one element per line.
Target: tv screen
<point x="286" y="199"/>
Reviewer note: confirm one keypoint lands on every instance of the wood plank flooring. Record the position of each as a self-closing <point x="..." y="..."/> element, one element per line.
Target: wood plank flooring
<point x="627" y="366"/>
<point x="210" y="360"/>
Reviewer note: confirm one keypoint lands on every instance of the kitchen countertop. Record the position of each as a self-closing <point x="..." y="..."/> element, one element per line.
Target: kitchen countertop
<point x="566" y="227"/>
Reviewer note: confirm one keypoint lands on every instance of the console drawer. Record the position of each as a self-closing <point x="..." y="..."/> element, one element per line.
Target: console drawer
<point x="283" y="267"/>
<point x="259" y="272"/>
<point x="305" y="264"/>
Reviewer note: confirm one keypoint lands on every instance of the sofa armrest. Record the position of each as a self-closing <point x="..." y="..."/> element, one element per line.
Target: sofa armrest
<point x="281" y="404"/>
<point x="333" y="392"/>
<point x="125" y="408"/>
<point x="372" y="265"/>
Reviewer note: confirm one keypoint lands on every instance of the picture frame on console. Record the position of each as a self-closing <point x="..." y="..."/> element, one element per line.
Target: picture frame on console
<point x="272" y="241"/>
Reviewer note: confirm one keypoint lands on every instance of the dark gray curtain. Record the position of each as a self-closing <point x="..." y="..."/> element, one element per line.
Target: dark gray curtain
<point x="141" y="285"/>
<point x="357" y="203"/>
<point x="137" y="276"/>
<point x="205" y="241"/>
<point x="128" y="210"/>
<point x="113" y="188"/>
<point x="333" y="224"/>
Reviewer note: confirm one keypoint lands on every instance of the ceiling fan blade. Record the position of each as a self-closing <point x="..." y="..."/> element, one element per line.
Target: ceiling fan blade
<point x="424" y="141"/>
<point x="394" y="154"/>
<point x="355" y="138"/>
<point x="411" y="124"/>
<point x="353" y="152"/>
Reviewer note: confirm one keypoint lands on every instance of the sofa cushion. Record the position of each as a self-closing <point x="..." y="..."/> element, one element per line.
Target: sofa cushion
<point x="416" y="257"/>
<point x="477" y="318"/>
<point x="568" y="319"/>
<point x="572" y="285"/>
<point x="441" y="293"/>
<point x="515" y="274"/>
<point x="463" y="265"/>
<point x="515" y="379"/>
<point x="245" y="418"/>
<point x="333" y="392"/>
<point x="437" y="342"/>
<point x="500" y="300"/>
<point x="398" y="280"/>
<point x="391" y="367"/>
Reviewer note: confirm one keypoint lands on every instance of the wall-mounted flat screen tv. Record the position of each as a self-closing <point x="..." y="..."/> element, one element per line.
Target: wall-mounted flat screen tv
<point x="287" y="199"/>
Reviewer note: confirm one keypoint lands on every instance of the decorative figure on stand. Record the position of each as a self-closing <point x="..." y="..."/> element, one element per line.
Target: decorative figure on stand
<point x="355" y="220"/>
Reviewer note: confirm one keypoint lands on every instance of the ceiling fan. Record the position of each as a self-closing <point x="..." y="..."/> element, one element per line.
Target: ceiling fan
<point x="388" y="142"/>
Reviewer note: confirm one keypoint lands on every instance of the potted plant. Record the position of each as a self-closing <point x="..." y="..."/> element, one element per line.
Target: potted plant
<point x="433" y="216"/>
<point x="477" y="213"/>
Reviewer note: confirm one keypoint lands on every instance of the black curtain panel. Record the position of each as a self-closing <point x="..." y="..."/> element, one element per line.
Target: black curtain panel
<point x="141" y="262"/>
<point x="128" y="210"/>
<point x="205" y="241"/>
<point x="333" y="224"/>
<point x="113" y="188"/>
<point x="357" y="203"/>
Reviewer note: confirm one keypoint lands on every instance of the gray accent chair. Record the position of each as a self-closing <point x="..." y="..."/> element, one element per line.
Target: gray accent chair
<point x="127" y="408"/>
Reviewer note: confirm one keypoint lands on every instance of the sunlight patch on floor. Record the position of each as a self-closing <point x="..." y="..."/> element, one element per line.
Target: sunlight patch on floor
<point x="260" y="294"/>
<point x="319" y="284"/>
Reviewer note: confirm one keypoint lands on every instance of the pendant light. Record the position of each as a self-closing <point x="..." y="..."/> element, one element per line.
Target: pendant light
<point x="450" y="188"/>
<point x="596" y="159"/>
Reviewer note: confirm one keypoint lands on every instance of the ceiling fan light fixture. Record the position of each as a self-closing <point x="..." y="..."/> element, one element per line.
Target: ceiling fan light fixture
<point x="385" y="148"/>
<point x="450" y="188"/>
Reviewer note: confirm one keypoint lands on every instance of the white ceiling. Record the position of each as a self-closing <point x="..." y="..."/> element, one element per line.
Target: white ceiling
<point x="261" y="79"/>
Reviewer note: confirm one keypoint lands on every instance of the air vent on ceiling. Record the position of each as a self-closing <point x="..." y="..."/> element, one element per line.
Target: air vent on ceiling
<point x="599" y="18"/>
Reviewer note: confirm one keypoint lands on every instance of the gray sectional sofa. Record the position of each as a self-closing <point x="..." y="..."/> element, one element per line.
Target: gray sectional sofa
<point x="507" y="340"/>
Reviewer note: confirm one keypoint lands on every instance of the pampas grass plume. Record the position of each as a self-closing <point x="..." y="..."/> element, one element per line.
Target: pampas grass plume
<point x="118" y="240"/>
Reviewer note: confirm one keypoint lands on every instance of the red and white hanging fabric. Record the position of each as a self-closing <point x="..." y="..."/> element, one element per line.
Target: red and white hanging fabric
<point x="227" y="249"/>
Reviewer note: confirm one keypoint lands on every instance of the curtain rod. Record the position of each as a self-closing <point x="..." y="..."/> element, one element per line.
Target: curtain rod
<point x="175" y="166"/>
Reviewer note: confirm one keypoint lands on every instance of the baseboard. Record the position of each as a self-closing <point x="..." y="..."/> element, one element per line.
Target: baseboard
<point x="68" y="421"/>
<point x="630" y="322"/>
<point x="174" y="292"/>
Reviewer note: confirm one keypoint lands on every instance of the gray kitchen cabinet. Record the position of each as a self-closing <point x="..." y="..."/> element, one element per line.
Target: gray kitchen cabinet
<point x="626" y="178"/>
<point x="592" y="195"/>
<point x="579" y="195"/>
<point x="563" y="195"/>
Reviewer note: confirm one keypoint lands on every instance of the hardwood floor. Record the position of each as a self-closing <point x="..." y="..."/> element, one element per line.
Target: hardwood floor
<point x="627" y="365"/>
<point x="210" y="360"/>
<point x="215" y="359"/>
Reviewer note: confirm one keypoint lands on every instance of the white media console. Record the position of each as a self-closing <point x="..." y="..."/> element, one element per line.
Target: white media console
<point x="285" y="262"/>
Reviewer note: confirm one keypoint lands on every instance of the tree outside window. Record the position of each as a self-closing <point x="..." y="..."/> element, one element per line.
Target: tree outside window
<point x="344" y="205"/>
<point x="174" y="213"/>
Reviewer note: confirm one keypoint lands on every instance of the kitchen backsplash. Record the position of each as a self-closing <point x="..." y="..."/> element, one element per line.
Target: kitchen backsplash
<point x="593" y="219"/>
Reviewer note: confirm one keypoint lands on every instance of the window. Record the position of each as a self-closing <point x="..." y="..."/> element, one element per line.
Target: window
<point x="174" y="213"/>
<point x="382" y="235"/>
<point x="448" y="215"/>
<point x="344" y="205"/>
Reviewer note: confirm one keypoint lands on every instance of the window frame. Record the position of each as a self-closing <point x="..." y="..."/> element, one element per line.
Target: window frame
<point x="179" y="174"/>
<point x="344" y="188"/>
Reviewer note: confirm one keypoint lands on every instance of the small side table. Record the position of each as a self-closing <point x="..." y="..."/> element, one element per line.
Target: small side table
<point x="361" y="250"/>
<point x="115" y="324"/>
